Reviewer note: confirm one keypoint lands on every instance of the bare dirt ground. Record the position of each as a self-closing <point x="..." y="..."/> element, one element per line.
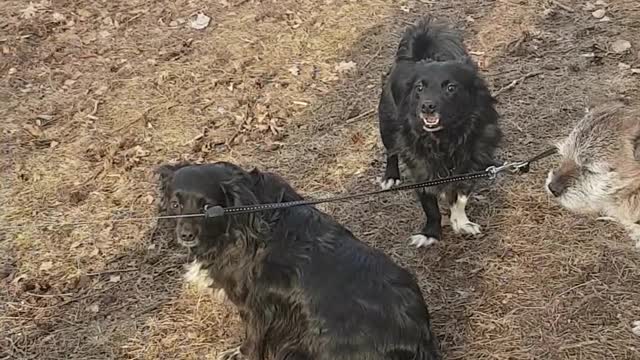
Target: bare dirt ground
<point x="95" y="94"/>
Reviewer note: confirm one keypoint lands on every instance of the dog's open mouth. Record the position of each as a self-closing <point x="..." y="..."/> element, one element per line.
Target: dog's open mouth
<point x="431" y="122"/>
<point x="188" y="244"/>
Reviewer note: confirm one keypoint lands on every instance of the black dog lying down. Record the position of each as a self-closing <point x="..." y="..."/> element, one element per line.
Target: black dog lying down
<point x="304" y="286"/>
<point x="437" y="116"/>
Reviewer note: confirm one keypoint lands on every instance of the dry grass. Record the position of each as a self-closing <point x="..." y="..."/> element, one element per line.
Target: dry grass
<point x="92" y="103"/>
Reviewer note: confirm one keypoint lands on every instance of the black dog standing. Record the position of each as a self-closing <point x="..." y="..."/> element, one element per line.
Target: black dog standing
<point x="437" y="116"/>
<point x="305" y="287"/>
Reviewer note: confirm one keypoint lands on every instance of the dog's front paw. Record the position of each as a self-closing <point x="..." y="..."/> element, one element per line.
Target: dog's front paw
<point x="231" y="354"/>
<point x="635" y="328"/>
<point x="469" y="228"/>
<point x="388" y="183"/>
<point x="420" y="240"/>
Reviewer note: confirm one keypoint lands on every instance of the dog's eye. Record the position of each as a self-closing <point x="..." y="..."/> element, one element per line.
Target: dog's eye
<point x="175" y="204"/>
<point x="451" y="88"/>
<point x="587" y="171"/>
<point x="419" y="87"/>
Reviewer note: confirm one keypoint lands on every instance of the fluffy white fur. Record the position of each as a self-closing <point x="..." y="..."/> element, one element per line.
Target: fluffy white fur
<point x="459" y="220"/>
<point x="600" y="168"/>
<point x="592" y="191"/>
<point x="199" y="277"/>
<point x="420" y="240"/>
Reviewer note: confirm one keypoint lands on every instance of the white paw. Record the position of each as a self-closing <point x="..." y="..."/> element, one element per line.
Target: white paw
<point x="420" y="240"/>
<point x="605" y="218"/>
<point x="635" y="329"/>
<point x="231" y="354"/>
<point x="389" y="183"/>
<point x="468" y="227"/>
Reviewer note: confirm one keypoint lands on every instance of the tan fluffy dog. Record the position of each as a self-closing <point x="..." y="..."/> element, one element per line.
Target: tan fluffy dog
<point x="600" y="168"/>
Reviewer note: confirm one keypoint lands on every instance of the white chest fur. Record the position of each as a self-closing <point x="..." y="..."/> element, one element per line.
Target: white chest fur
<point x="199" y="277"/>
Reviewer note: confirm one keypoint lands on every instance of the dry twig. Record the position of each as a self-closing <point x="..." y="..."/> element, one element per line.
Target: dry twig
<point x="92" y="114"/>
<point x="563" y="6"/>
<point x="515" y="82"/>
<point x="360" y="116"/>
<point x="115" y="271"/>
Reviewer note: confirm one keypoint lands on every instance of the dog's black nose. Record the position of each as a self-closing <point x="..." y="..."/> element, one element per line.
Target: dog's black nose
<point x="428" y="108"/>
<point x="557" y="188"/>
<point x="187" y="236"/>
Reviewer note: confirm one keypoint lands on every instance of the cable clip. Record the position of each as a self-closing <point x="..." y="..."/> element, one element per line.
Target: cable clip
<point x="213" y="211"/>
<point x="520" y="167"/>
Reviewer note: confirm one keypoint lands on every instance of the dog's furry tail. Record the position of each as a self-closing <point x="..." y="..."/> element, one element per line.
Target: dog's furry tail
<point x="432" y="41"/>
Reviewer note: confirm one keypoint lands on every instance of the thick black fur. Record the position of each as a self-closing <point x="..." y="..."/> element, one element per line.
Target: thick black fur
<point x="305" y="287"/>
<point x="434" y="73"/>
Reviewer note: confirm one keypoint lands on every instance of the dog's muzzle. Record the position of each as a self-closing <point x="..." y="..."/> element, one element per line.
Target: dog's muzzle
<point x="430" y="117"/>
<point x="556" y="185"/>
<point x="187" y="238"/>
<point x="430" y="122"/>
